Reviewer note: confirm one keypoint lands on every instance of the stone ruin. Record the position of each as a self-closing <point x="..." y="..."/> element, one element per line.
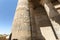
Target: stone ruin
<point x="36" y="20"/>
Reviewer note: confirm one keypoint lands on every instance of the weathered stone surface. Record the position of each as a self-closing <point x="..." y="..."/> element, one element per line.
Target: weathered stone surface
<point x="21" y="23"/>
<point x="41" y="26"/>
<point x="53" y="16"/>
<point x="47" y="33"/>
<point x="40" y="23"/>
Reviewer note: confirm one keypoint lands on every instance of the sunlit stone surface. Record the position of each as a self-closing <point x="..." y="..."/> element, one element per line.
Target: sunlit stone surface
<point x="54" y="16"/>
<point x="21" y="22"/>
<point x="41" y="28"/>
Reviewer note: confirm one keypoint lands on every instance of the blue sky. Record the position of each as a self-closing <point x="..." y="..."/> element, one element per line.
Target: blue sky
<point x="7" y="11"/>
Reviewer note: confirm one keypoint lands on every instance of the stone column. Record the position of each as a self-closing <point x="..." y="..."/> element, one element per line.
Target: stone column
<point x="21" y="23"/>
<point x="53" y="16"/>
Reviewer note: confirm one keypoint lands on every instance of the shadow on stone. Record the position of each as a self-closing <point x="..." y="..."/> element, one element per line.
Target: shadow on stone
<point x="39" y="19"/>
<point x="10" y="36"/>
<point x="15" y="39"/>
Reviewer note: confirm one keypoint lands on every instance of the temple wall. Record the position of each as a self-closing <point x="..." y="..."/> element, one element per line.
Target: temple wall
<point x="31" y="21"/>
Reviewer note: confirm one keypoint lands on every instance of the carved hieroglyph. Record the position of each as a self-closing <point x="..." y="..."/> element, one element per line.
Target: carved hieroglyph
<point x="21" y="25"/>
<point x="21" y="22"/>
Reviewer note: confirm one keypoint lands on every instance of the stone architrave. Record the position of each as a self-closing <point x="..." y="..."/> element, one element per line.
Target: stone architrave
<point x="53" y="16"/>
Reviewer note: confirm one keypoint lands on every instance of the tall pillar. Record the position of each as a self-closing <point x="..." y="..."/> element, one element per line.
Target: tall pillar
<point x="21" y="23"/>
<point x="53" y="16"/>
